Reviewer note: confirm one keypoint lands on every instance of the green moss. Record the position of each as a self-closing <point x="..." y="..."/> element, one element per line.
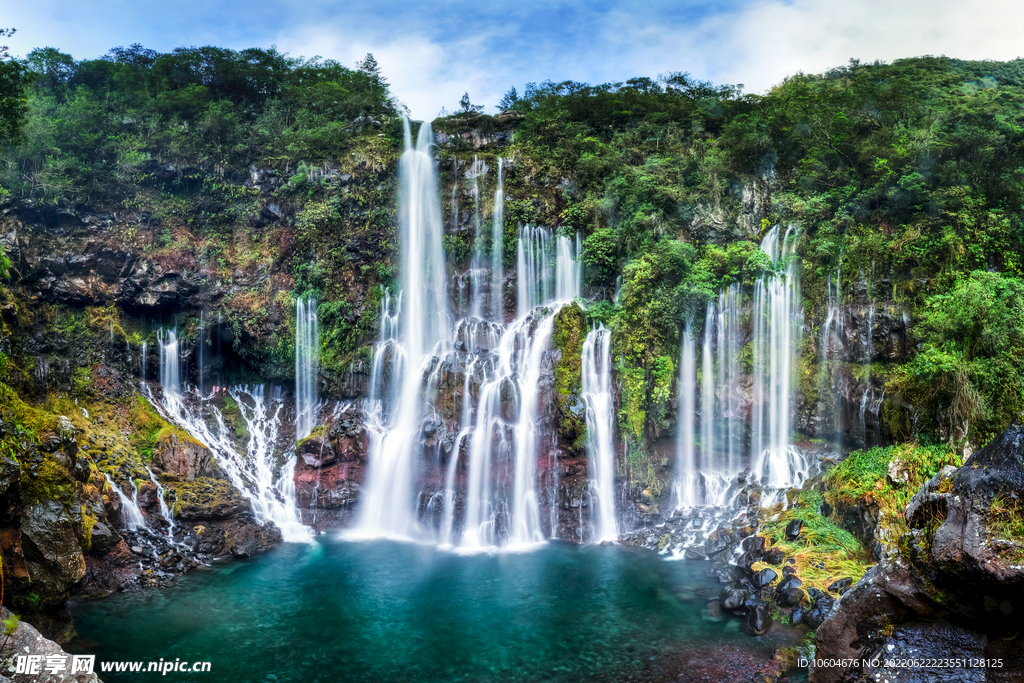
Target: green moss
<point x="52" y="482"/>
<point x="567" y="337"/>
<point x="88" y="522"/>
<point x="148" y="428"/>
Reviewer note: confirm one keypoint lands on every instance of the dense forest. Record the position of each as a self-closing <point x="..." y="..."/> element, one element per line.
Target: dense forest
<point x="904" y="176"/>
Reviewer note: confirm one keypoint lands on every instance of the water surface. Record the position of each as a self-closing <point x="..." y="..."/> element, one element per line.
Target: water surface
<point x="391" y="612"/>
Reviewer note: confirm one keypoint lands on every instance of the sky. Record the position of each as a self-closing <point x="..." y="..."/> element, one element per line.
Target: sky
<point x="432" y="53"/>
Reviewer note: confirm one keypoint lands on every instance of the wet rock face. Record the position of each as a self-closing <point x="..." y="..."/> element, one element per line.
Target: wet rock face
<point x="52" y="548"/>
<point x="184" y="458"/>
<point x="331" y="463"/>
<point x="958" y="587"/>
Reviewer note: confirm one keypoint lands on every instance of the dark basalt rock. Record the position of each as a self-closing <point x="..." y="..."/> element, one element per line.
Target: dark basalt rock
<point x="764" y="578"/>
<point x="733" y="599"/>
<point x="789" y="581"/>
<point x="816" y="615"/>
<point x="775" y="556"/>
<point x="791" y="597"/>
<point x="793" y="529"/>
<point x="759" y="620"/>
<point x="840" y="586"/>
<point x="955" y="588"/>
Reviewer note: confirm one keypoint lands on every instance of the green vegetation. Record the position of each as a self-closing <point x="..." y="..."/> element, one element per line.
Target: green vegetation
<point x="14" y="80"/>
<point x="905" y="174"/>
<point x="861" y="481"/>
<point x="823" y="552"/>
<point x="567" y="337"/>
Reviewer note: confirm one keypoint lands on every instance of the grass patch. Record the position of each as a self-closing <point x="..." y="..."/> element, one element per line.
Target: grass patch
<point x="862" y="479"/>
<point x="823" y="552"/>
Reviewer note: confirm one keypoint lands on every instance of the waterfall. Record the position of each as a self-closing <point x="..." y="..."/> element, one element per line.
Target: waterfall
<point x="525" y="511"/>
<point x="387" y="501"/>
<point x="168" y="347"/>
<point x="597" y="394"/>
<point x="131" y="514"/>
<point x="164" y="509"/>
<point x="777" y="325"/>
<point x="144" y="358"/>
<point x="868" y="355"/>
<point x="546" y="272"/>
<point x="202" y="337"/>
<point x="477" y="271"/>
<point x="830" y="348"/>
<point x="274" y="497"/>
<point x="252" y="472"/>
<point x="687" y="485"/>
<point x="307" y="365"/>
<point x="497" y="250"/>
<point x="729" y="342"/>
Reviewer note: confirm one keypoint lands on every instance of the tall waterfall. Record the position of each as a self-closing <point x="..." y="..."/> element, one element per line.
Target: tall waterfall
<point x="477" y="268"/>
<point x="777" y="325"/>
<point x="497" y="250"/>
<point x="547" y="268"/>
<point x="488" y="466"/>
<point x="387" y="501"/>
<point x="254" y="472"/>
<point x="771" y="321"/>
<point x="597" y="394"/>
<point x="687" y="484"/>
<point x="307" y="365"/>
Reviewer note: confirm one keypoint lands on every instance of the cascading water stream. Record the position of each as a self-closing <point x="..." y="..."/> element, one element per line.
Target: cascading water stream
<point x="307" y="365"/>
<point x="775" y="322"/>
<point x="830" y="349"/>
<point x="165" y="510"/>
<point x="131" y="513"/>
<point x="497" y="250"/>
<point x="778" y="323"/>
<point x="597" y="394"/>
<point x="687" y="483"/>
<point x="272" y="497"/>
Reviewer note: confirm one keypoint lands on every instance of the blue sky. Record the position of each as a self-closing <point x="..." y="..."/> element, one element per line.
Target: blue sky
<point x="433" y="52"/>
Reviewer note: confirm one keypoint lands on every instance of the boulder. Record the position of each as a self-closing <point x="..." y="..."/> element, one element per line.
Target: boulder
<point x="955" y="586"/>
<point x="759" y="620"/>
<point x="794" y="528"/>
<point x="27" y="640"/>
<point x="764" y="578"/>
<point x="52" y="548"/>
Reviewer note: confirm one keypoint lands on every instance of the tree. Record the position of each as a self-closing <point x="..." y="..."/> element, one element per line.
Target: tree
<point x="51" y="68"/>
<point x="468" y="107"/>
<point x="509" y="100"/>
<point x="14" y="80"/>
<point x="368" y="65"/>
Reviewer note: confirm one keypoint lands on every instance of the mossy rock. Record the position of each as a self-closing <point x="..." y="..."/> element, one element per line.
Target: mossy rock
<point x="567" y="338"/>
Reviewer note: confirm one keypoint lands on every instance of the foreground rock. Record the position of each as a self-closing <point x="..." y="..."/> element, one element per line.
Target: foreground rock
<point x="954" y="588"/>
<point x="28" y="641"/>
